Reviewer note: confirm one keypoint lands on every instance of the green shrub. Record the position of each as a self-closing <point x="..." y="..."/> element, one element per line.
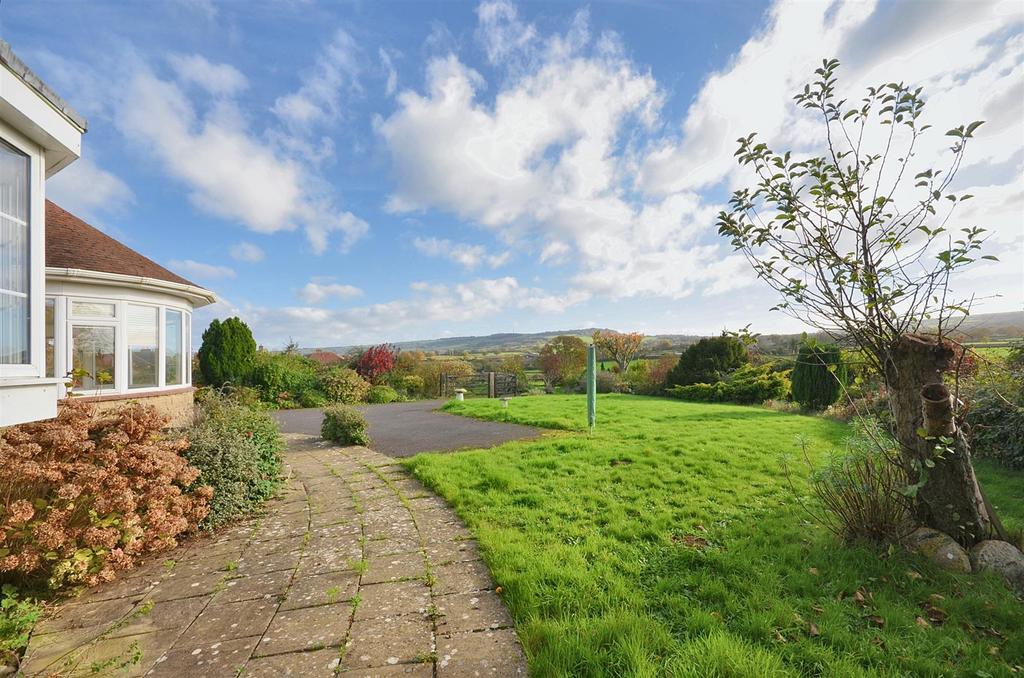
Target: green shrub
<point x="17" y="618"/>
<point x="747" y="385"/>
<point x="412" y="384"/>
<point x="227" y="352"/>
<point x="344" y="385"/>
<point x="382" y="395"/>
<point x="344" y="425"/>
<point x="286" y="379"/>
<point x="237" y="450"/>
<point x="819" y="375"/>
<point x="708" y="361"/>
<point x="608" y="382"/>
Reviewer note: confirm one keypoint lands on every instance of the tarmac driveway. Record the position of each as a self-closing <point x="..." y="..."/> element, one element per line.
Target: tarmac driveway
<point x="405" y="429"/>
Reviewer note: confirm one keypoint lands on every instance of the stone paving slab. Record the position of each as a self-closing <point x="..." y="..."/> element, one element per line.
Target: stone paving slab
<point x="356" y="571"/>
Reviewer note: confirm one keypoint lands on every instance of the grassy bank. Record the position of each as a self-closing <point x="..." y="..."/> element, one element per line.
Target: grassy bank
<point x="669" y="543"/>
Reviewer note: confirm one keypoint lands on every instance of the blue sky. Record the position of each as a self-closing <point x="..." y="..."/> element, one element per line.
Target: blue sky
<point x="359" y="172"/>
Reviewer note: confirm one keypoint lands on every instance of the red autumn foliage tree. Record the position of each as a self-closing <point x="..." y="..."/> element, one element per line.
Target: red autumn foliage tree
<point x="376" y="361"/>
<point x="619" y="346"/>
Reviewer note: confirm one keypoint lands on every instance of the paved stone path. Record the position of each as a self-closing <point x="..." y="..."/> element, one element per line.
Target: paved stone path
<point x="356" y="570"/>
<point x="405" y="429"/>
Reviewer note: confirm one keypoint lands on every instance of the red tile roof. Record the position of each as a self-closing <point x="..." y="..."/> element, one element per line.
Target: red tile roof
<point x="326" y="357"/>
<point x="72" y="243"/>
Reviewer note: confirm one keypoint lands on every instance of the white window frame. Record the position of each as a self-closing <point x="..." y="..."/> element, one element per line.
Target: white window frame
<point x="36" y="366"/>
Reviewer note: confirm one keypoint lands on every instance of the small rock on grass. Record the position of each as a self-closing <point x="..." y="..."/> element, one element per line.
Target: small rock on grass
<point x="940" y="548"/>
<point x="1002" y="557"/>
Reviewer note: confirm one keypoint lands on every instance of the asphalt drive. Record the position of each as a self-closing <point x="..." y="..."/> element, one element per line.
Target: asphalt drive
<point x="405" y="429"/>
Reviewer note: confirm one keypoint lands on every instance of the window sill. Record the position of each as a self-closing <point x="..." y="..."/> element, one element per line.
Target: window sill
<point x="132" y="395"/>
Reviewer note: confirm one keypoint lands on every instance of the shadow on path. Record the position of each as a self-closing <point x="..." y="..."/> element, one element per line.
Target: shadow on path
<point x="405" y="429"/>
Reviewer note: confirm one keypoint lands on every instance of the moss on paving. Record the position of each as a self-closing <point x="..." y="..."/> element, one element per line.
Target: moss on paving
<point x="669" y="543"/>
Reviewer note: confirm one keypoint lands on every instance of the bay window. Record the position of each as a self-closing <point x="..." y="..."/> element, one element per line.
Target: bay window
<point x="15" y="257"/>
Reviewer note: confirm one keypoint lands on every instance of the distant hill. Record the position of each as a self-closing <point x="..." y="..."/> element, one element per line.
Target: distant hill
<point x="981" y="327"/>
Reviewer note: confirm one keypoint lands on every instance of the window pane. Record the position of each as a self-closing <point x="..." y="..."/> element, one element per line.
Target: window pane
<point x="92" y="357"/>
<point x="92" y="309"/>
<point x="188" y="348"/>
<point x="14" y="256"/>
<point x="51" y="346"/>
<point x="172" y="348"/>
<point x="142" y="346"/>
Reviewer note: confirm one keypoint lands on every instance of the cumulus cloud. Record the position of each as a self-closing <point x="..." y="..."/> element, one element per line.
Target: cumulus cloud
<point x="467" y="256"/>
<point x="247" y="252"/>
<point x="197" y="269"/>
<point x="314" y="292"/>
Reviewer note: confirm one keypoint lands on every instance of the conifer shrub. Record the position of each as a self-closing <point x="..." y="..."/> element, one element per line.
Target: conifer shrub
<point x="819" y="375"/>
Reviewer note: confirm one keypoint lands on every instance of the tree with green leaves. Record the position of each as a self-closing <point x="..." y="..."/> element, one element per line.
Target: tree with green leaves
<point x="227" y="353"/>
<point x="819" y="375"/>
<point x="707" y="361"/>
<point x="858" y="248"/>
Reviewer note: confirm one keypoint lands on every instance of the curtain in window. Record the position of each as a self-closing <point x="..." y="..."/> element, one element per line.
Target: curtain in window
<point x="142" y="345"/>
<point x="14" y="257"/>
<point x="172" y="348"/>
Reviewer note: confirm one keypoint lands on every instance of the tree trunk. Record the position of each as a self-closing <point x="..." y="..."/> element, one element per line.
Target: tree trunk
<point x="948" y="497"/>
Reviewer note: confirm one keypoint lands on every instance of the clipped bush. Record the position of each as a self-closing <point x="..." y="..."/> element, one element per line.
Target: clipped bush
<point x="412" y="384"/>
<point x="344" y="425"/>
<point x="608" y="382"/>
<point x="382" y="394"/>
<point x="85" y="495"/>
<point x="819" y="375"/>
<point x="708" y="361"/>
<point x="746" y="386"/>
<point x="343" y="385"/>
<point x="237" y="450"/>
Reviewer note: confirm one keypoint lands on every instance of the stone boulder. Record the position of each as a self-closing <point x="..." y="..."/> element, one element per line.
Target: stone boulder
<point x="940" y="548"/>
<point x="1001" y="557"/>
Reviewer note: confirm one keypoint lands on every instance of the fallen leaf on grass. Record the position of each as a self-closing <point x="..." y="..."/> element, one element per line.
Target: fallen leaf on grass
<point x="819" y="609"/>
<point x="923" y="623"/>
<point x="913" y="575"/>
<point x="934" y="614"/>
<point x="813" y="571"/>
<point x="875" y="620"/>
<point x="813" y="630"/>
<point x="691" y="541"/>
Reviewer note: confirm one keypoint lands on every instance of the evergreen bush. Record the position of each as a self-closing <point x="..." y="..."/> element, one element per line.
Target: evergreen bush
<point x="708" y="361"/>
<point x="227" y="353"/>
<point x="344" y="425"/>
<point x="819" y="375"/>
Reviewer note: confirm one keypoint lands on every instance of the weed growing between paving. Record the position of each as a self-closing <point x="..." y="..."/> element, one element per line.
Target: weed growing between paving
<point x="669" y="542"/>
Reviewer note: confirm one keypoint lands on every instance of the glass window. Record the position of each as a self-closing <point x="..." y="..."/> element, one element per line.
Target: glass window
<point x="51" y="346"/>
<point x="188" y="348"/>
<point x="92" y="309"/>
<point x="15" y="256"/>
<point x="92" y="358"/>
<point x="173" y="372"/>
<point x="142" y="345"/>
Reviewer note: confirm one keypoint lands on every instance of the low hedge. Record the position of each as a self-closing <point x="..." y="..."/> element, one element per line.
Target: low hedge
<point x="381" y="395"/>
<point x="746" y="386"/>
<point x="344" y="425"/>
<point x="237" y="449"/>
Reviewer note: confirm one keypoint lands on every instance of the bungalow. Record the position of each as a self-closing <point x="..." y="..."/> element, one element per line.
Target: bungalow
<point x="117" y="324"/>
<point x="39" y="136"/>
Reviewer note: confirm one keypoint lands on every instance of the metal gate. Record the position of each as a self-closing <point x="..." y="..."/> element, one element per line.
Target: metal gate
<point x="481" y="385"/>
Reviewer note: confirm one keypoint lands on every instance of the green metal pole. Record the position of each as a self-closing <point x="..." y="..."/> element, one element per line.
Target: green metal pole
<point x="592" y="386"/>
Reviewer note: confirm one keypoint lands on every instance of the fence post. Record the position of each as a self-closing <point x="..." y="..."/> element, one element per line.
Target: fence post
<point x="492" y="391"/>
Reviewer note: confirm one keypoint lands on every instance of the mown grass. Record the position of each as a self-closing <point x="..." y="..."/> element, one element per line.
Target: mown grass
<point x="669" y="543"/>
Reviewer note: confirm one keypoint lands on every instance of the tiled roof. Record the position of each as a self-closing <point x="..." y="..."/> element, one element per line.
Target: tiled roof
<point x="326" y="357"/>
<point x="72" y="243"/>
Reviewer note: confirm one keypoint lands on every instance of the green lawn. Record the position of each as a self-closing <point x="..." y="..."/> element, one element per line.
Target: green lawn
<point x="668" y="543"/>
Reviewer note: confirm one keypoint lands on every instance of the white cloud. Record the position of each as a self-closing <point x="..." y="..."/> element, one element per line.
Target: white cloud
<point x="468" y="256"/>
<point x="314" y="292"/>
<point x="197" y="269"/>
<point x="501" y="32"/>
<point x="318" y="100"/>
<point x="230" y="171"/>
<point x="85" y="189"/>
<point x="247" y="252"/>
<point x="387" y="62"/>
<point x="218" y="79"/>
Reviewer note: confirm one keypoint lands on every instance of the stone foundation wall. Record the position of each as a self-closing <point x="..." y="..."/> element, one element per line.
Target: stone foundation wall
<point x="176" y="404"/>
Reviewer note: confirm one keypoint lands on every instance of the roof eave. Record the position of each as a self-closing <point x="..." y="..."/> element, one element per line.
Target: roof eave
<point x="199" y="296"/>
